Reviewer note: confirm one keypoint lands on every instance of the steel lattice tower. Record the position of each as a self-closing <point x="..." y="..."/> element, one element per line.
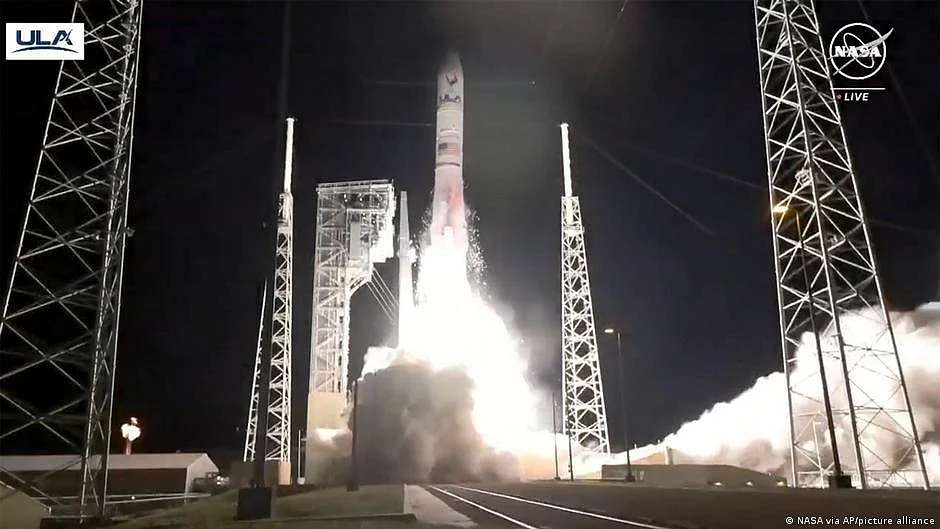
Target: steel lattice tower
<point x="585" y="415"/>
<point x="825" y="267"/>
<point x="249" y="452"/>
<point x="278" y="436"/>
<point x="355" y="230"/>
<point x="62" y="308"/>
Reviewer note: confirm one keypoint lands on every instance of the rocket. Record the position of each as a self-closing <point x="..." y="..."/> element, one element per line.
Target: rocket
<point x="448" y="222"/>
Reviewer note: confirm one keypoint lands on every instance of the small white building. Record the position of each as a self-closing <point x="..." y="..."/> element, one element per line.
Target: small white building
<point x="134" y="474"/>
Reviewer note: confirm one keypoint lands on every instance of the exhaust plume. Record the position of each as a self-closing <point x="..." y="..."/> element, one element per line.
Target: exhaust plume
<point x="751" y="431"/>
<point x="451" y="402"/>
<point x="416" y="426"/>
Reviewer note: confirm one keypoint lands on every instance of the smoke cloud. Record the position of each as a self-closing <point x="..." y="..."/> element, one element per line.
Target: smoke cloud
<point x="751" y="430"/>
<point x="416" y="426"/>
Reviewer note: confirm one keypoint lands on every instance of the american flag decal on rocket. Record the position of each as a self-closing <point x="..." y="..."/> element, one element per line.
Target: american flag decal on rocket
<point x="448" y="149"/>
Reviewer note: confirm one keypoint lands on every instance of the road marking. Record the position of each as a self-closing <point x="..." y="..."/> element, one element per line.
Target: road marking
<point x="428" y="508"/>
<point x="482" y="508"/>
<point x="565" y="509"/>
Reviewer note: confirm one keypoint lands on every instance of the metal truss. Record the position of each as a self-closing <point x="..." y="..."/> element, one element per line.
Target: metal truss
<point x="355" y="230"/>
<point x="249" y="452"/>
<point x="585" y="416"/>
<point x="58" y="336"/>
<point x="278" y="435"/>
<point x="827" y="278"/>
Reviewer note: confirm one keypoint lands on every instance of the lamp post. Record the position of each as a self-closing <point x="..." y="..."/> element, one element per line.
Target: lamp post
<point x="570" y="453"/>
<point x="623" y="404"/>
<point x="130" y="431"/>
<point x="555" y="433"/>
<point x="300" y="451"/>
<point x="566" y="427"/>
<point x="838" y="479"/>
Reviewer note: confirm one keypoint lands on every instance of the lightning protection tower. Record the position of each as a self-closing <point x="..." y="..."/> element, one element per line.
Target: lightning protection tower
<point x="826" y="270"/>
<point x="355" y="230"/>
<point x="58" y="336"/>
<point x="278" y="436"/>
<point x="585" y="415"/>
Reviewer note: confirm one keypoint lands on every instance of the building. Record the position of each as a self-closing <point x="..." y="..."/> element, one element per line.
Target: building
<point x="663" y="466"/>
<point x="128" y="475"/>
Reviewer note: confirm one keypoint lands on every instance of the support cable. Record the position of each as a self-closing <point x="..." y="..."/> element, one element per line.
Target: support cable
<point x="607" y="39"/>
<point x="380" y="300"/>
<point x="763" y="189"/>
<point x="386" y="291"/>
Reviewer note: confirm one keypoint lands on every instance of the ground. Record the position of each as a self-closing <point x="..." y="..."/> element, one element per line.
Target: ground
<point x="219" y="512"/>
<point x="558" y="505"/>
<point x="588" y="505"/>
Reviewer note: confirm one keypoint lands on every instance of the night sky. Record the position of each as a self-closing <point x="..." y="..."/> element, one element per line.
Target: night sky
<point x="672" y="95"/>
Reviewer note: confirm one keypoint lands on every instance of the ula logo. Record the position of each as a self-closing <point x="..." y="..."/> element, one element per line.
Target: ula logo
<point x="45" y="42"/>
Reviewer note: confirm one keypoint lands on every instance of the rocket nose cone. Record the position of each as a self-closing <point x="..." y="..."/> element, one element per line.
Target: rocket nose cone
<point x="452" y="61"/>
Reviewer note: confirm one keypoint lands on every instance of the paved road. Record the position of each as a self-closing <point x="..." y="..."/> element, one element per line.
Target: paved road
<point x="590" y="505"/>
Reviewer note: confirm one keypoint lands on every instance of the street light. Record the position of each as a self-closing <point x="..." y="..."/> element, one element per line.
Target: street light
<point x="130" y="432"/>
<point x="555" y="434"/>
<point x="838" y="479"/>
<point x="623" y="404"/>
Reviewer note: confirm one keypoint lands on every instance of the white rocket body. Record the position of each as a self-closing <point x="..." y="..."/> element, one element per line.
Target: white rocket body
<point x="448" y="219"/>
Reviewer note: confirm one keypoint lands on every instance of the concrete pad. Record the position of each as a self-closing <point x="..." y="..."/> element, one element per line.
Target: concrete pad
<point x="429" y="509"/>
<point x="19" y="511"/>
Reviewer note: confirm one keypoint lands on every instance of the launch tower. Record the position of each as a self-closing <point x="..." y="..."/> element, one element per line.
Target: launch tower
<point x="278" y="435"/>
<point x="58" y="335"/>
<point x="585" y="416"/>
<point x="355" y="230"/>
<point x="825" y="268"/>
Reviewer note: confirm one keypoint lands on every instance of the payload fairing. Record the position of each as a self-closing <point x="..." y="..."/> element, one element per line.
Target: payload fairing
<point x="448" y="219"/>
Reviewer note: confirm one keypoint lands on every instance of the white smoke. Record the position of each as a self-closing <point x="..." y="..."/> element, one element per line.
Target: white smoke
<point x="752" y="430"/>
<point x="454" y="328"/>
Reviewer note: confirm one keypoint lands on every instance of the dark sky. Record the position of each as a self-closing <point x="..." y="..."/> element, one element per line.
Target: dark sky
<point x="677" y="85"/>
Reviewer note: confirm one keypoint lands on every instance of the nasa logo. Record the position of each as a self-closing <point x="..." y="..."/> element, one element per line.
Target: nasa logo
<point x="45" y="42"/>
<point x="858" y="51"/>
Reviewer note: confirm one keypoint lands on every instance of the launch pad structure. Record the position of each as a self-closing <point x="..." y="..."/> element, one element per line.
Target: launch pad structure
<point x="277" y="438"/>
<point x="62" y="308"/>
<point x="585" y="416"/>
<point x="826" y="269"/>
<point x="354" y="231"/>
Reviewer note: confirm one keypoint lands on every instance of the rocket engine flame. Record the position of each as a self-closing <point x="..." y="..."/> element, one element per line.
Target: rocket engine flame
<point x="456" y="360"/>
